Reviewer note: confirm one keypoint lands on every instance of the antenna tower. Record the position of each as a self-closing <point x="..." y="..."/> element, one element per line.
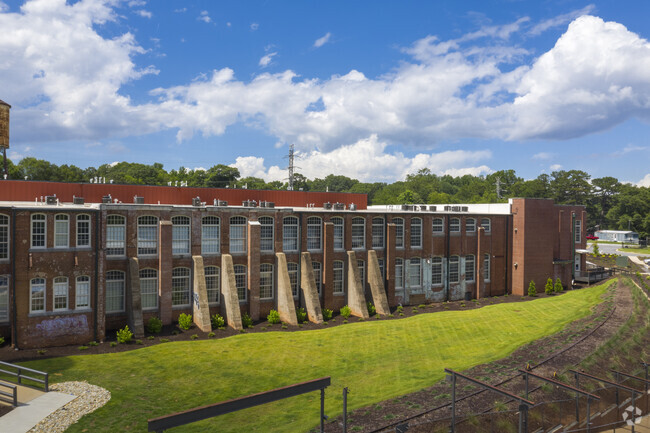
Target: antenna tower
<point x="291" y="167"/>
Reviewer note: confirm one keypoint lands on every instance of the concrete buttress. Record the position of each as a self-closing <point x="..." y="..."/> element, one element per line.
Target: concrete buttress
<point x="286" y="307"/>
<point x="377" y="285"/>
<point x="230" y="300"/>
<point x="309" y="289"/>
<point x="356" y="293"/>
<point x="134" y="301"/>
<point x="200" y="308"/>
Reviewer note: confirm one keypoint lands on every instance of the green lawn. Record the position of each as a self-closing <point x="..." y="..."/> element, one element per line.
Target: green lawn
<point x="635" y="250"/>
<point x="377" y="360"/>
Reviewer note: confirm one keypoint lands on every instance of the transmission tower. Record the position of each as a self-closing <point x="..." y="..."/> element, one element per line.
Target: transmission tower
<point x="499" y="188"/>
<point x="291" y="167"/>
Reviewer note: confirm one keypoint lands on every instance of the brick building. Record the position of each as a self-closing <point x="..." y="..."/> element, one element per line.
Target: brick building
<point x="73" y="268"/>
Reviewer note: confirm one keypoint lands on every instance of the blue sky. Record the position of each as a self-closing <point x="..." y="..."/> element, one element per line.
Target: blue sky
<point x="372" y="90"/>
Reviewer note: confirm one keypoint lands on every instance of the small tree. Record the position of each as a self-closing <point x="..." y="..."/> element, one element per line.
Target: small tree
<point x="558" y="285"/>
<point x="596" y="250"/>
<point x="532" y="290"/>
<point x="548" y="288"/>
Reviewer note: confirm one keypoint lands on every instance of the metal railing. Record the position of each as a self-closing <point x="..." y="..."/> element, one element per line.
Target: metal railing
<point x="18" y="374"/>
<point x="12" y="394"/>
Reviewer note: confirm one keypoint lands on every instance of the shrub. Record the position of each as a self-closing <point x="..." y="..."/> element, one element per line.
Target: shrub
<point x="2" y="341"/>
<point x="124" y="335"/>
<point x="211" y="335"/>
<point x="164" y="340"/>
<point x="41" y="351"/>
<point x="371" y="309"/>
<point x="532" y="290"/>
<point x="93" y="343"/>
<point x="301" y="315"/>
<point x="399" y="308"/>
<point x="558" y="285"/>
<point x="151" y="337"/>
<point x="247" y="321"/>
<point x="185" y="321"/>
<point x="194" y="337"/>
<point x="83" y="347"/>
<point x="596" y="250"/>
<point x="218" y="321"/>
<point x="345" y="312"/>
<point x="273" y="317"/>
<point x="113" y="344"/>
<point x="548" y="288"/>
<point x="154" y="325"/>
<point x="327" y="314"/>
<point x="138" y="342"/>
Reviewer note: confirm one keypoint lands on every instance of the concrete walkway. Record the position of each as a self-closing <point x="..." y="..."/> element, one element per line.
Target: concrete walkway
<point x="33" y="406"/>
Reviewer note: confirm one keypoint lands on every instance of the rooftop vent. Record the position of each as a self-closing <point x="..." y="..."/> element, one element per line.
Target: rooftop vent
<point x="138" y="200"/>
<point x="107" y="199"/>
<point x="270" y="204"/>
<point x="78" y="200"/>
<point x="447" y="208"/>
<point x="423" y="207"/>
<point x="196" y="201"/>
<point x="433" y="208"/>
<point x="464" y="208"/>
<point x="50" y="199"/>
<point x="353" y="206"/>
<point x="327" y="205"/>
<point x="406" y="207"/>
<point x="455" y="208"/>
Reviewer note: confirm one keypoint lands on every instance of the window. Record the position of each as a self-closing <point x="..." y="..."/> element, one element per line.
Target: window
<point x="241" y="282"/>
<point x="290" y="234"/>
<point x="454" y="274"/>
<point x="61" y="231"/>
<point x="339" y="230"/>
<point x="399" y="273"/>
<point x="266" y="234"/>
<point x="114" y="291"/>
<point x="470" y="225"/>
<point x="438" y="226"/>
<point x="314" y="233"/>
<point x="237" y="234"/>
<point x="115" y="235"/>
<point x="380" y="262"/>
<point x="37" y="295"/>
<point x="486" y="267"/>
<point x="469" y="268"/>
<point x="399" y="232"/>
<point x="180" y="287"/>
<point x="436" y="271"/>
<point x="578" y="229"/>
<point x="83" y="230"/>
<point x="358" y="233"/>
<point x="149" y="289"/>
<point x="293" y="278"/>
<point x="180" y="235"/>
<point x="210" y="235"/>
<point x="416" y="232"/>
<point x="266" y="281"/>
<point x="415" y="272"/>
<point x="4" y="299"/>
<point x="212" y="283"/>
<point x="454" y="225"/>
<point x="39" y="230"/>
<point x="486" y="224"/>
<point x="82" y="292"/>
<point x="60" y="293"/>
<point x="338" y="277"/>
<point x="318" y="276"/>
<point x="147" y="235"/>
<point x="4" y="237"/>
<point x="362" y="273"/>
<point x="378" y="233"/>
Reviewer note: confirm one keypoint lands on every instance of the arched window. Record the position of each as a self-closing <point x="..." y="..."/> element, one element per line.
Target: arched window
<point x="82" y="292"/>
<point x="378" y="232"/>
<point x="83" y="230"/>
<point x="4" y="299"/>
<point x="180" y="235"/>
<point x="470" y="264"/>
<point x="436" y="271"/>
<point x="438" y="226"/>
<point x="181" y="287"/>
<point x="486" y="224"/>
<point x="314" y="233"/>
<point x="290" y="234"/>
<point x="60" y="293"/>
<point x="115" y="235"/>
<point x="114" y="291"/>
<point x="266" y="281"/>
<point x="241" y="282"/>
<point x="61" y="231"/>
<point x="237" y="234"/>
<point x="399" y="232"/>
<point x="37" y="295"/>
<point x="147" y="235"/>
<point x="470" y="225"/>
<point x="358" y="233"/>
<point x="149" y="289"/>
<point x="416" y="232"/>
<point x="338" y="280"/>
<point x="454" y="225"/>
<point x="339" y="230"/>
<point x="454" y="270"/>
<point x="39" y="230"/>
<point x="4" y="237"/>
<point x="266" y="234"/>
<point x="213" y="283"/>
<point x="210" y="235"/>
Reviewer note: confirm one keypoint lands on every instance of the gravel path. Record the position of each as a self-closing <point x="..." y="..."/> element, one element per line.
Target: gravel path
<point x="89" y="398"/>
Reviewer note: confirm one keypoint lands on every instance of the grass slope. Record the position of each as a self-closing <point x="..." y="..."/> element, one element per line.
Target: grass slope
<point x="377" y="360"/>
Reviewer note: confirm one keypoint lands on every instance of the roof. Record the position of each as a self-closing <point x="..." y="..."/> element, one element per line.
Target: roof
<point x="4" y="103"/>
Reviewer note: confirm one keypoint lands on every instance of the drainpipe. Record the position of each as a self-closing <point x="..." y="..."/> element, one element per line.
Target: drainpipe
<point x="573" y="247"/>
<point x="298" y="277"/>
<point x="14" y="328"/>
<point x="96" y="290"/>
<point x="385" y="276"/>
<point x="507" y="252"/>
<point x="447" y="256"/>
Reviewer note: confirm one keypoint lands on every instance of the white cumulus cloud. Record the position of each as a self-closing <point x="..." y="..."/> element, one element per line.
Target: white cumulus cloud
<point x="645" y="181"/>
<point x="322" y="40"/>
<point x="205" y="17"/>
<point x="267" y="59"/>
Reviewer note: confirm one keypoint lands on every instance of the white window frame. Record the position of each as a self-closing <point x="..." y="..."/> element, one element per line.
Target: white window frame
<point x="338" y="277"/>
<point x="267" y="229"/>
<point x="454" y="269"/>
<point x="358" y="239"/>
<point x="83" y="230"/>
<point x="267" y="279"/>
<point x="38" y="219"/>
<point x="470" y="225"/>
<point x="60" y="294"/>
<point x="149" y="288"/>
<point x="4" y="298"/>
<point x="436" y="271"/>
<point x="470" y="268"/>
<point x="4" y="237"/>
<point x="241" y="282"/>
<point x="290" y="234"/>
<point x="181" y="235"/>
<point x="37" y="292"/>
<point x="454" y="225"/>
<point x="416" y="233"/>
<point x="339" y="233"/>
<point x="314" y="233"/>
<point x="317" y="267"/>
<point x="238" y="234"/>
<point x="82" y="292"/>
<point x="382" y="269"/>
<point x="210" y="235"/>
<point x="181" y="287"/>
<point x="487" y="259"/>
<point x="399" y="232"/>
<point x="578" y="231"/>
<point x="115" y="231"/>
<point x="415" y="272"/>
<point x="438" y="226"/>
<point x="292" y="268"/>
<point x="61" y="230"/>
<point x="147" y="235"/>
<point x="378" y="233"/>
<point x="486" y="223"/>
<point x="361" y="264"/>
<point x="115" y="290"/>
<point x="399" y="273"/>
<point x="213" y="284"/>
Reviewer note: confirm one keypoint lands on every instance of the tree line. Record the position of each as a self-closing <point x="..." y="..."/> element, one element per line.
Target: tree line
<point x="610" y="203"/>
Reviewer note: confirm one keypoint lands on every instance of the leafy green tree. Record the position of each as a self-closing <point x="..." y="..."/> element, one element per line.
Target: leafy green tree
<point x="558" y="285"/>
<point x="532" y="290"/>
<point x="221" y="176"/>
<point x="548" y="288"/>
<point x="408" y="197"/>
